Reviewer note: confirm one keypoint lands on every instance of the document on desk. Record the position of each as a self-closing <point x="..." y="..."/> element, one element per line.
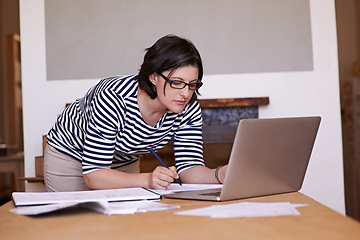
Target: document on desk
<point x="245" y="209"/>
<point x="128" y="207"/>
<point x="37" y="210"/>
<point x="125" y="194"/>
<point x="174" y="187"/>
<point x="108" y="208"/>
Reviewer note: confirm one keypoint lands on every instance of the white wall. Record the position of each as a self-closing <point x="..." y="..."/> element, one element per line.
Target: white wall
<point x="235" y="41"/>
<point x="291" y="94"/>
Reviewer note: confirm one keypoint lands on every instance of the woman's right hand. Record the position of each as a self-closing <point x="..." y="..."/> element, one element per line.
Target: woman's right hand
<point x="162" y="177"/>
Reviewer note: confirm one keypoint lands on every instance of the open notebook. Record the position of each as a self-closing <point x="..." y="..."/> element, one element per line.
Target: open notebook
<point x="124" y="194"/>
<point x="269" y="156"/>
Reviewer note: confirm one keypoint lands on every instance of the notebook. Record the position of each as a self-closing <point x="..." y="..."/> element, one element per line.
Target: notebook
<point x="122" y="194"/>
<point x="268" y="156"/>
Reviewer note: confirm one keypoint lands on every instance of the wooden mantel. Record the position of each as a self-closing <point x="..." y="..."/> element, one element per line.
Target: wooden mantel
<point x="234" y="102"/>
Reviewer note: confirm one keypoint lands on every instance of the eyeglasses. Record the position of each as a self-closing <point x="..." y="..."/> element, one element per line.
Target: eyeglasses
<point x="181" y="84"/>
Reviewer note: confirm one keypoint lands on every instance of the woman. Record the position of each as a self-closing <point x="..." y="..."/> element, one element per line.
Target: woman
<point x="97" y="141"/>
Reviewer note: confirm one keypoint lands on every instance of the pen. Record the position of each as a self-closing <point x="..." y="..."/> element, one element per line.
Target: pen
<point x="162" y="163"/>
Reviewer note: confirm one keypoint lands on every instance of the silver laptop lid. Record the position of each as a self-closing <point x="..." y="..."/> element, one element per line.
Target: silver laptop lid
<point x="269" y="156"/>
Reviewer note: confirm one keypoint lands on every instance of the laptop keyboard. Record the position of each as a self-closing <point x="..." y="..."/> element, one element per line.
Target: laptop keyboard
<point x="216" y="194"/>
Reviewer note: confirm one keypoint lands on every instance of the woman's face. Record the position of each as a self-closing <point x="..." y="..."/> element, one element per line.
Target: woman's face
<point x="171" y="98"/>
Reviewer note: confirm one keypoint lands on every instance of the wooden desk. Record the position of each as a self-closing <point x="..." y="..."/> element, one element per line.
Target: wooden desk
<point x="315" y="222"/>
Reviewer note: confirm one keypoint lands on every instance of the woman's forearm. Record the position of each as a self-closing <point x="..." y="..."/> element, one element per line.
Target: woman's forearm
<point x="202" y="174"/>
<point x="109" y="178"/>
<point x="160" y="179"/>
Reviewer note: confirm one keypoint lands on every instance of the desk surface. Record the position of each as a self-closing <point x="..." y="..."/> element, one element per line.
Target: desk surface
<point x="315" y="222"/>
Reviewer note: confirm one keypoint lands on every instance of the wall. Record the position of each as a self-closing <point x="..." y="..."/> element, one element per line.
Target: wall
<point x="98" y="51"/>
<point x="291" y="94"/>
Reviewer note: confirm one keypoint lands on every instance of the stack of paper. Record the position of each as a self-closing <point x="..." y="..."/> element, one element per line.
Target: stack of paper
<point x="131" y="207"/>
<point x="245" y="209"/>
<point x="124" y="194"/>
<point x="128" y="201"/>
<point x="108" y="208"/>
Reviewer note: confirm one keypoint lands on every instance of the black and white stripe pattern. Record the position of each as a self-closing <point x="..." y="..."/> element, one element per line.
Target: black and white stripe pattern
<point x="105" y="129"/>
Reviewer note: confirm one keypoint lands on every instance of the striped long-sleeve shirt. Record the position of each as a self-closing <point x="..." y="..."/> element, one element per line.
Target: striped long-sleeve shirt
<point x="105" y="129"/>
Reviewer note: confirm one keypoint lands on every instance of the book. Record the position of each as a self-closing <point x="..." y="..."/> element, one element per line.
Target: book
<point x="124" y="194"/>
<point x="108" y="208"/>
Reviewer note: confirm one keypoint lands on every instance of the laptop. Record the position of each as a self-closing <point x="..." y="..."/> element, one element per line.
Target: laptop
<point x="268" y="156"/>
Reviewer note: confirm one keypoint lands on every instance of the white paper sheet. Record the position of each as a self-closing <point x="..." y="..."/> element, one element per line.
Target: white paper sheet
<point x="129" y="207"/>
<point x="244" y="209"/>
<point x="37" y="210"/>
<point x="174" y="187"/>
<point x="144" y="206"/>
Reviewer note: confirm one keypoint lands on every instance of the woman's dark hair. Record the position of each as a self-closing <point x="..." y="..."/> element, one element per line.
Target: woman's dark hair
<point x="168" y="53"/>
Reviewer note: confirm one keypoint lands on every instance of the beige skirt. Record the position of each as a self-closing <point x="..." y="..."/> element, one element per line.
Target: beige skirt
<point x="64" y="173"/>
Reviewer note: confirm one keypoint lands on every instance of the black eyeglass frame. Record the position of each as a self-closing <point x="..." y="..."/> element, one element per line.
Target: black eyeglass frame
<point x="197" y="84"/>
